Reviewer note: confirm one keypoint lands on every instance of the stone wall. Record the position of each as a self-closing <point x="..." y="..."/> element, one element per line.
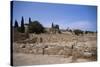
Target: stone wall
<point x="55" y="49"/>
<point x="58" y="44"/>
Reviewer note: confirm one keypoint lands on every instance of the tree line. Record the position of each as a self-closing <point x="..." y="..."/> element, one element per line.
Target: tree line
<point x="33" y="26"/>
<point x="36" y="27"/>
<point x="79" y="31"/>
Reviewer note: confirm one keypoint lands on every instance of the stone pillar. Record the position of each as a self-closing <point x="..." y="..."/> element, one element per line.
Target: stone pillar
<point x="26" y="28"/>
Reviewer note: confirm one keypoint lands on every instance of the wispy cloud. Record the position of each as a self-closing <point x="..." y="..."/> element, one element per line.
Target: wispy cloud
<point x="83" y="25"/>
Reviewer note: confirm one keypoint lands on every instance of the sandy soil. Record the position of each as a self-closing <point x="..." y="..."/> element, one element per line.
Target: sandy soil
<point x="20" y="59"/>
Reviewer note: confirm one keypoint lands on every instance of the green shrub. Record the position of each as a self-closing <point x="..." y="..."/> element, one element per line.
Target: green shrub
<point x="78" y="32"/>
<point x="36" y="27"/>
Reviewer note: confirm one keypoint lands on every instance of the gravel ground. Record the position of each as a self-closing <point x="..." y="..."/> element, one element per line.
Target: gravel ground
<point x="21" y="59"/>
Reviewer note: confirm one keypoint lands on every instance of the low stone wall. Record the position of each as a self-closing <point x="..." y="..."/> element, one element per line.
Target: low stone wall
<point x="58" y="44"/>
<point x="55" y="49"/>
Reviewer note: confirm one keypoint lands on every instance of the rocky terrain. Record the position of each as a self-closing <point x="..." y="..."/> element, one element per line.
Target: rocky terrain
<point x="55" y="48"/>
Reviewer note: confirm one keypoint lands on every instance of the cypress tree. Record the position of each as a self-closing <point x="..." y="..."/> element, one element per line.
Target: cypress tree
<point x="16" y="24"/>
<point x="30" y="20"/>
<point x="22" y="25"/>
<point x="52" y="25"/>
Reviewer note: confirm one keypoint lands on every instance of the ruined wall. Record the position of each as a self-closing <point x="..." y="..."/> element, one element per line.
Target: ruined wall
<point x="58" y="44"/>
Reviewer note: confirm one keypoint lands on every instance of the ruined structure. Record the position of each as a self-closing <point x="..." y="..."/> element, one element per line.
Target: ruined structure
<point x="53" y="30"/>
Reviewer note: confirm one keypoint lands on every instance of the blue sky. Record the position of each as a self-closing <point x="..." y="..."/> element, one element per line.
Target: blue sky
<point x="65" y="15"/>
